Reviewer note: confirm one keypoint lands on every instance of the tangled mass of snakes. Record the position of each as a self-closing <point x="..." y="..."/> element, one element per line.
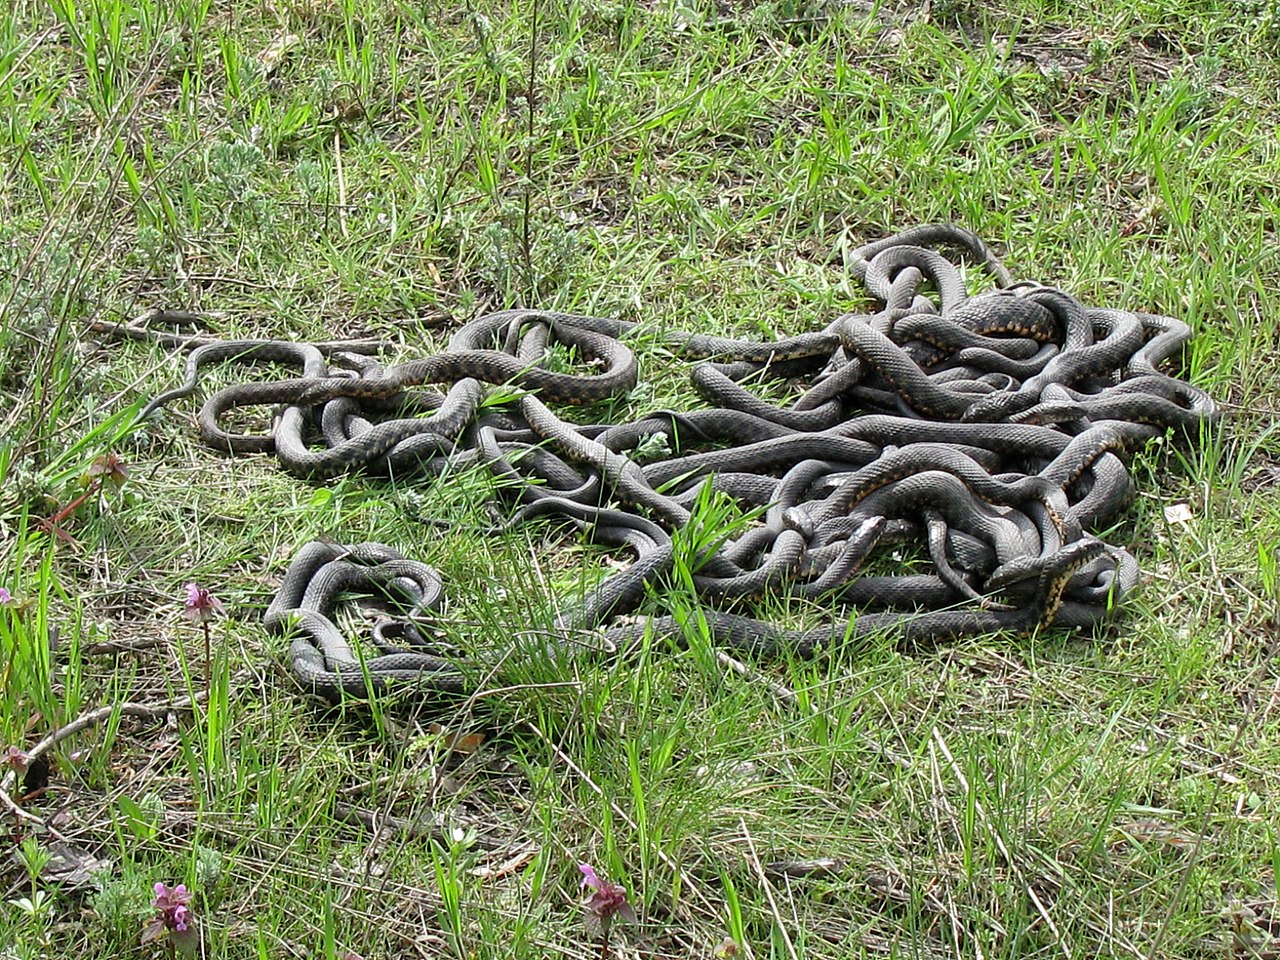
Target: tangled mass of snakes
<point x="981" y="436"/>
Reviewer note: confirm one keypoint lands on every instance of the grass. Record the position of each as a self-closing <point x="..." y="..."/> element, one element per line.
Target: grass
<point x="323" y="168"/>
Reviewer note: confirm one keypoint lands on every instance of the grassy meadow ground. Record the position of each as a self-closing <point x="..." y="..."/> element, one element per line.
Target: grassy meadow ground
<point x="323" y="168"/>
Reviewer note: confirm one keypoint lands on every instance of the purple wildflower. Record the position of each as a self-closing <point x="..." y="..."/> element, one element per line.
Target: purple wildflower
<point x="201" y="606"/>
<point x="15" y="758"/>
<point x="607" y="900"/>
<point x="173" y="917"/>
<point x="5" y="596"/>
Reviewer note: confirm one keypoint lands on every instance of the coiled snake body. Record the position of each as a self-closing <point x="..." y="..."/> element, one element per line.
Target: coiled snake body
<point x="987" y="429"/>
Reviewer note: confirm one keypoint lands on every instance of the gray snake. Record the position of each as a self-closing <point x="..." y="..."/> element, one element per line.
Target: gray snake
<point x="987" y="429"/>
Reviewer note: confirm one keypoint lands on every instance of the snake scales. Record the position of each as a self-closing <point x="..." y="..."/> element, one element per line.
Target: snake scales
<point x="988" y="430"/>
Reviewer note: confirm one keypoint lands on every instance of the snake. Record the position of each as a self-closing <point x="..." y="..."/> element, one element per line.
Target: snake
<point x="984" y="434"/>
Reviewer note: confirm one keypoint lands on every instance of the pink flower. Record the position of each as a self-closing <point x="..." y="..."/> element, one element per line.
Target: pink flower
<point x="607" y="900"/>
<point x="201" y="606"/>
<point x="15" y="758"/>
<point x="173" y="917"/>
<point x="5" y="596"/>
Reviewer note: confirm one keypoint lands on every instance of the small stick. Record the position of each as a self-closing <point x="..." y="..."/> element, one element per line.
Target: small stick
<point x="768" y="891"/>
<point x="84" y="722"/>
<point x="137" y="329"/>
<point x="342" y="180"/>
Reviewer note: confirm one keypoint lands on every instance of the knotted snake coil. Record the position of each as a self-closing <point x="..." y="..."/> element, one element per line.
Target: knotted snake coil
<point x="986" y="430"/>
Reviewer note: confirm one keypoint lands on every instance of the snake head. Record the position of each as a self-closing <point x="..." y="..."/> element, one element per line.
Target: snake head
<point x="999" y="407"/>
<point x="1058" y="570"/>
